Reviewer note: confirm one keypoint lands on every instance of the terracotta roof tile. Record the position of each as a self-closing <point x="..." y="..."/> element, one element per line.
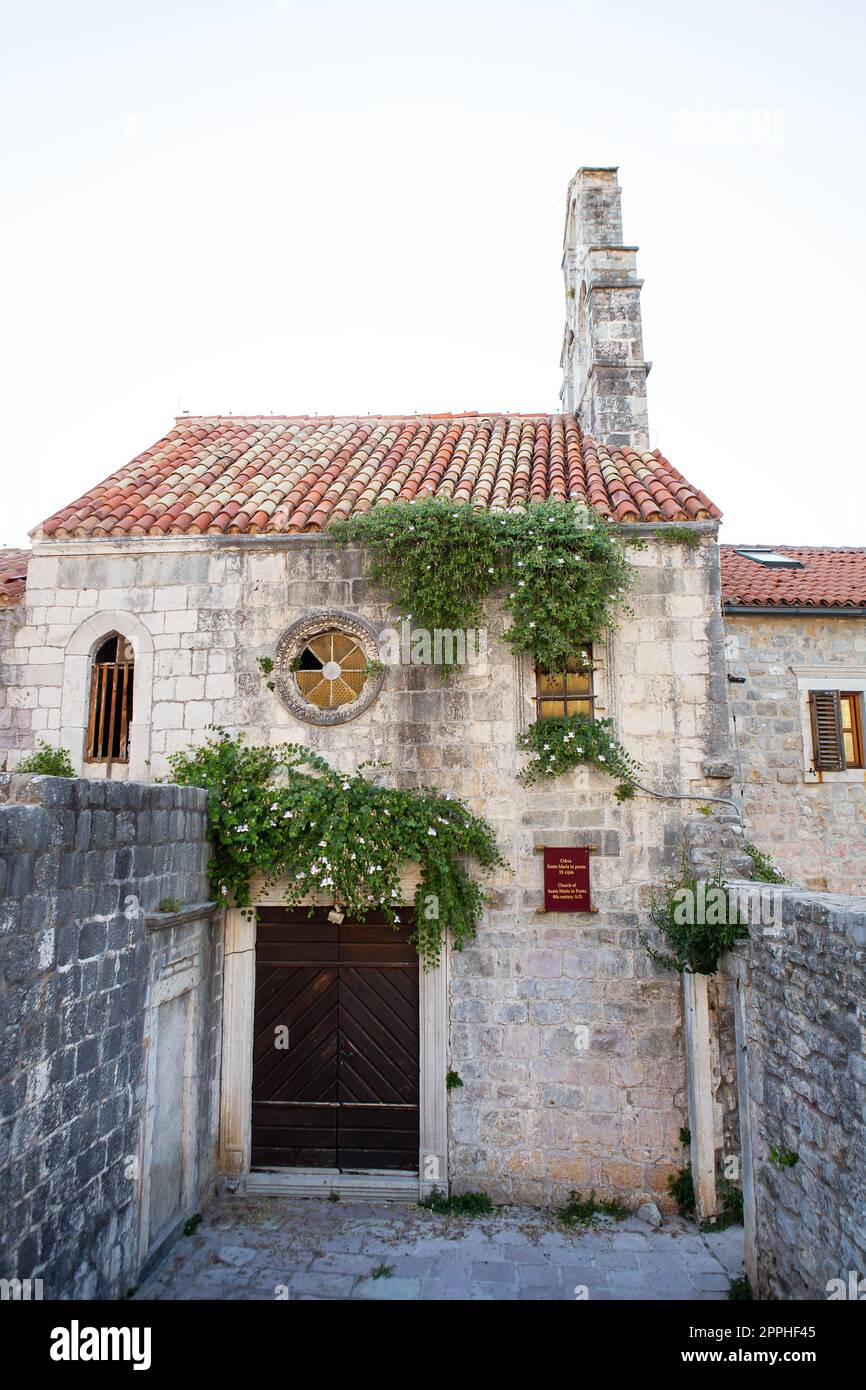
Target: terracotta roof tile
<point x="13" y="576"/>
<point x="829" y="578"/>
<point x="280" y="474"/>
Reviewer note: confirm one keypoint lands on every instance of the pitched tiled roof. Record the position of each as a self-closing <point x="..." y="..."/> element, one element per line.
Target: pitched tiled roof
<point x="244" y="474"/>
<point x="13" y="575"/>
<point x="829" y="578"/>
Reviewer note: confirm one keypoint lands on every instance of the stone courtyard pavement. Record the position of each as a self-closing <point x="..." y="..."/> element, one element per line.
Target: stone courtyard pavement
<point x="310" y="1248"/>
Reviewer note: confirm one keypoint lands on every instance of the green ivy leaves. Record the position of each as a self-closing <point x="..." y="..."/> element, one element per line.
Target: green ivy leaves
<point x="337" y="836"/>
<point x="567" y="581"/>
<point x="558" y="745"/>
<point x="563" y="569"/>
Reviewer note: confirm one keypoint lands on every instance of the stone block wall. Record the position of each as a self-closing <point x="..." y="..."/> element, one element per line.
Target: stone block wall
<point x="15" y="713"/>
<point x="805" y="1036"/>
<point x="815" y="830"/>
<point x="568" y="1039"/>
<point x="82" y="864"/>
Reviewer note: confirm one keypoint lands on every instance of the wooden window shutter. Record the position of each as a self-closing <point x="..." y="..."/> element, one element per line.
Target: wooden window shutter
<point x="827" y="748"/>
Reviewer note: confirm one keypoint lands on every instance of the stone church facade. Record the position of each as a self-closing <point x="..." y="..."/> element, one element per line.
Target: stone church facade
<point x="152" y="600"/>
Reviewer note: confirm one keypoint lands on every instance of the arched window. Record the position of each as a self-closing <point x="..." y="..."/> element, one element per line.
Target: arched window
<point x="110" y="713"/>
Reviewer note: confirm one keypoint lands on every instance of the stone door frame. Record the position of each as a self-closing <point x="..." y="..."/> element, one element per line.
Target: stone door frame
<point x="163" y="991"/>
<point x="237" y="1078"/>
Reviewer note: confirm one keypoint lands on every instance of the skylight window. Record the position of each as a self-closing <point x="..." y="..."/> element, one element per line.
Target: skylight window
<point x="773" y="559"/>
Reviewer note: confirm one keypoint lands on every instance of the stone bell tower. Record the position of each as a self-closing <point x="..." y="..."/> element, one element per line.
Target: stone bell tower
<point x="603" y="366"/>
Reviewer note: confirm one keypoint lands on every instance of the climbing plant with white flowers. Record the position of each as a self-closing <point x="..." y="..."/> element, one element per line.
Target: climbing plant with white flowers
<point x="285" y="813"/>
<point x="564" y="576"/>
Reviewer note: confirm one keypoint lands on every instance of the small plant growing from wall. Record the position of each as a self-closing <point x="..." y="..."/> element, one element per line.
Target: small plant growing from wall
<point x="783" y="1158"/>
<point x="453" y="1081"/>
<point x="266" y="666"/>
<point x="682" y="1188"/>
<point x="679" y="535"/>
<point x="47" y="761"/>
<point x="763" y="868"/>
<point x="580" y="1211"/>
<point x="739" y="1289"/>
<point x="459" y="1204"/>
<point x="169" y="905"/>
<point x="698" y="919"/>
<point x="731" y="1214"/>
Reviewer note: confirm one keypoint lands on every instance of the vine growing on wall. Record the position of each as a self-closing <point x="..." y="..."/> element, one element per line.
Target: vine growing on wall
<point x="283" y="811"/>
<point x="564" y="577"/>
<point x="561" y="565"/>
<point x="557" y="745"/>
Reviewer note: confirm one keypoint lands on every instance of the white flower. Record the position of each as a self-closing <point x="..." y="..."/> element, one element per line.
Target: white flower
<point x="601" y="757"/>
<point x="546" y="746"/>
<point x="579" y="751"/>
<point x="275" y="806"/>
<point x="431" y="831"/>
<point x="532" y="624"/>
<point x="323" y="844"/>
<point x="345" y="786"/>
<point x="287" y="815"/>
<point x="223" y="889"/>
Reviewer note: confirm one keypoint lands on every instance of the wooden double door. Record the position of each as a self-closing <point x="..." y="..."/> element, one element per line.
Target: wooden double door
<point x="336" y="1043"/>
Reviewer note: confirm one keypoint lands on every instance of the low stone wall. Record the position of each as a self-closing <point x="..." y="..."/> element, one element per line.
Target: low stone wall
<point x="108" y="1014"/>
<point x="803" y="987"/>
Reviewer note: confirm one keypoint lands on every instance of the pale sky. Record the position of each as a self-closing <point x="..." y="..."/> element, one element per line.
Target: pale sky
<point x="332" y="208"/>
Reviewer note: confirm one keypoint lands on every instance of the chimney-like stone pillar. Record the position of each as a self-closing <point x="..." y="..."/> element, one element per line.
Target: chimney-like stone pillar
<point x="604" y="372"/>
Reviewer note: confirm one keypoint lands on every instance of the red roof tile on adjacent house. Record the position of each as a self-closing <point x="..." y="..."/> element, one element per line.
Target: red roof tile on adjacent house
<point x="829" y="578"/>
<point x="230" y="475"/>
<point x="13" y="575"/>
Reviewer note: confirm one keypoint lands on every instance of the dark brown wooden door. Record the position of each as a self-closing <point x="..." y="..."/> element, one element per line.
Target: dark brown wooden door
<point x="335" y="1058"/>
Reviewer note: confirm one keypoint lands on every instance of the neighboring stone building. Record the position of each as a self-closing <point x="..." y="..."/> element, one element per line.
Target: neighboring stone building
<point x="152" y="598"/>
<point x="795" y="618"/>
<point x="15" y="717"/>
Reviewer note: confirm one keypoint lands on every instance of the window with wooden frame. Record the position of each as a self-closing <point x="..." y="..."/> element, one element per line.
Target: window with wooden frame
<point x="837" y="729"/>
<point x="110" y="710"/>
<point x="566" y="692"/>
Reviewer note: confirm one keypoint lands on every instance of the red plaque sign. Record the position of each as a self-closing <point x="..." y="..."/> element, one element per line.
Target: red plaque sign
<point x="566" y="880"/>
